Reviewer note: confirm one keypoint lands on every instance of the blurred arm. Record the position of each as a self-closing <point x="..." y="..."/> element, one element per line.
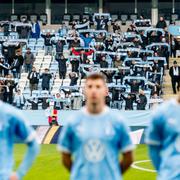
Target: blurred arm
<point x="66" y="160"/>
<point x="126" y="161"/>
<point x="32" y="151"/>
<point x="154" y="153"/>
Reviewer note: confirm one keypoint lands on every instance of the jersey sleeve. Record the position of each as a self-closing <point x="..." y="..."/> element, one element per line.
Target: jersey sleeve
<point x="125" y="143"/>
<point x="65" y="140"/>
<point x="154" y="131"/>
<point x="22" y="130"/>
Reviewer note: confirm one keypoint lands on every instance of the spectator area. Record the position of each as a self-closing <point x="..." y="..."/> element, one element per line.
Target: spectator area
<point x="139" y="49"/>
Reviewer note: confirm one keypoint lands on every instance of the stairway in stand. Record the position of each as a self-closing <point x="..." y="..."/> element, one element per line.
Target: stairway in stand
<point x="167" y="87"/>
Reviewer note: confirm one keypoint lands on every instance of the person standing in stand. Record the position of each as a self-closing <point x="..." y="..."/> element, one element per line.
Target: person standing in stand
<point x="174" y="72"/>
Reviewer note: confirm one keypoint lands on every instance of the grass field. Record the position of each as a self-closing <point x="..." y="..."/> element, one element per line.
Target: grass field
<point x="48" y="165"/>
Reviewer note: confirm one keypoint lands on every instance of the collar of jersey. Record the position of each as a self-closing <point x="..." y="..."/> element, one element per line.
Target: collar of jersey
<point x="105" y="110"/>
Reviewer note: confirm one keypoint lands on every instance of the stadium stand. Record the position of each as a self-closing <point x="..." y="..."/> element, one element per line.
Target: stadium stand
<point x="134" y="60"/>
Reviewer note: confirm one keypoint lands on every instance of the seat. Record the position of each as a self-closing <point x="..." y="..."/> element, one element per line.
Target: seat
<point x="114" y="17"/>
<point x="24" y="75"/>
<point x="26" y="93"/>
<point x="133" y="17"/>
<point x="1" y="36"/>
<point x="35" y="93"/>
<point x="48" y="57"/>
<point x="124" y="18"/>
<point x="174" y="17"/>
<point x="40" y="40"/>
<point x="67" y="17"/>
<point x="44" y="93"/>
<point x="57" y="81"/>
<point x="38" y="47"/>
<point x="31" y="46"/>
<point x="43" y="18"/>
<point x="45" y="66"/>
<point x="76" y="17"/>
<point x="14" y="17"/>
<point x="56" y="87"/>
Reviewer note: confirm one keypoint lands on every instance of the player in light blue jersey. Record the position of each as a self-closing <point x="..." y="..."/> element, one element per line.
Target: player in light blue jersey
<point x="94" y="138"/>
<point x="13" y="125"/>
<point x="163" y="138"/>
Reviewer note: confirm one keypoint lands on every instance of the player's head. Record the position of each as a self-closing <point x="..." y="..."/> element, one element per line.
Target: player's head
<point x="95" y="89"/>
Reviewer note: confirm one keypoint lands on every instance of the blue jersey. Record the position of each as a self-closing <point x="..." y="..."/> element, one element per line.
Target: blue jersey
<point x="163" y="136"/>
<point x="95" y="142"/>
<point x="12" y="125"/>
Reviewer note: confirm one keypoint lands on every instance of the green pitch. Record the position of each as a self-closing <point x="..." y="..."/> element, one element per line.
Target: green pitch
<point x="48" y="165"/>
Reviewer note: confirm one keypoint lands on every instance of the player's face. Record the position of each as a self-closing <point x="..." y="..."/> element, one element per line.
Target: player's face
<point x="95" y="91"/>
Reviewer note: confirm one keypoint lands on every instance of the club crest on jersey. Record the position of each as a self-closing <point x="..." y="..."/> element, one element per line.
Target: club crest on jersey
<point x="94" y="150"/>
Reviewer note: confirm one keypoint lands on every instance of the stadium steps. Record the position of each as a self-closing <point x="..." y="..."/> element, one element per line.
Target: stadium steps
<point x="41" y="131"/>
<point x="167" y="88"/>
<point x="50" y="134"/>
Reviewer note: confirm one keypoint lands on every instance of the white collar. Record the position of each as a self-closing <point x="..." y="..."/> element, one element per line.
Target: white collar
<point x="105" y="110"/>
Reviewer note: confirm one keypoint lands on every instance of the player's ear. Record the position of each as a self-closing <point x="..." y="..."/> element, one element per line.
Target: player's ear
<point x="83" y="91"/>
<point x="107" y="91"/>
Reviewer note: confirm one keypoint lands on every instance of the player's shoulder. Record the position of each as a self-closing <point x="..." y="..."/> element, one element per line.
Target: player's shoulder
<point x="74" y="118"/>
<point x="116" y="116"/>
<point x="9" y="112"/>
<point x="163" y="112"/>
<point x="164" y="108"/>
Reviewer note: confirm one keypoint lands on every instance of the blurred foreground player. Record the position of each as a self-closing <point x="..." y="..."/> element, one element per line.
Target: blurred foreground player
<point x="13" y="125"/>
<point x="95" y="136"/>
<point x="163" y="138"/>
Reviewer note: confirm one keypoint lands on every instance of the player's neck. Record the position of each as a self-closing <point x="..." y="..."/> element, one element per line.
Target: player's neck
<point x="95" y="109"/>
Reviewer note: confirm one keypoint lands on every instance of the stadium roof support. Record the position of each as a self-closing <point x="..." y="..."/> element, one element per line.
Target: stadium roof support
<point x="66" y="9"/>
<point x="48" y="11"/>
<point x="154" y="12"/>
<point x="135" y="6"/>
<point x="100" y="6"/>
<point x="12" y="6"/>
<point x="173" y="6"/>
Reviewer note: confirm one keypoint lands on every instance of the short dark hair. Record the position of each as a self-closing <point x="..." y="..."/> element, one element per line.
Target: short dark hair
<point x="175" y="62"/>
<point x="96" y="76"/>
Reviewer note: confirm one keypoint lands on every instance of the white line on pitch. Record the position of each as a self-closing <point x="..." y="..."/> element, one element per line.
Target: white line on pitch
<point x="134" y="165"/>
